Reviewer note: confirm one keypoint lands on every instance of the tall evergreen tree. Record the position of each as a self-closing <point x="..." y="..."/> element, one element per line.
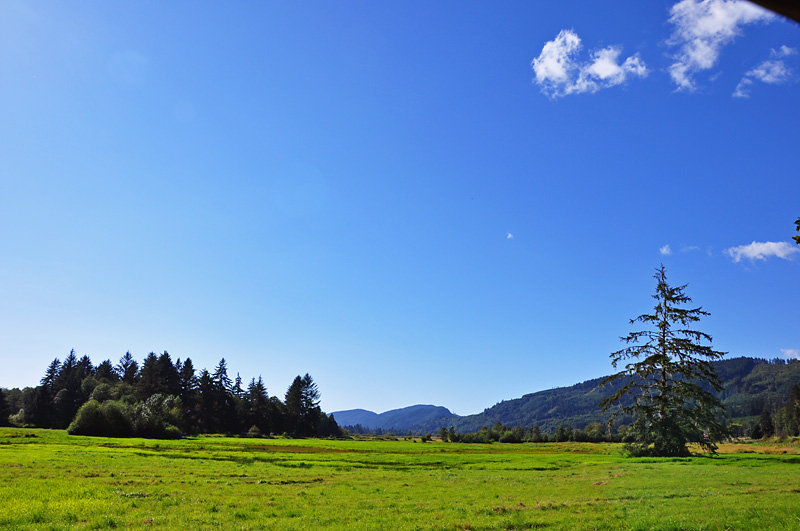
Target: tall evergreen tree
<point x="128" y="369"/>
<point x="327" y="426"/>
<point x="765" y="424"/>
<point x="69" y="395"/>
<point x="669" y="378"/>
<point x="221" y="377"/>
<point x="294" y="401"/>
<point x="38" y="407"/>
<point x="187" y="391"/>
<point x="168" y="375"/>
<point x="310" y="396"/>
<point x="187" y="381"/>
<point x="278" y="415"/>
<point x="4" y="411"/>
<point x="302" y="406"/>
<point x="51" y="374"/>
<point x="792" y="412"/>
<point x="216" y="408"/>
<point x="67" y="372"/>
<point x="150" y="381"/>
<point x="225" y="413"/>
<point x="205" y="408"/>
<point x="259" y="410"/>
<point x="105" y="372"/>
<point x="158" y="375"/>
<point x="237" y="390"/>
<point x="85" y="367"/>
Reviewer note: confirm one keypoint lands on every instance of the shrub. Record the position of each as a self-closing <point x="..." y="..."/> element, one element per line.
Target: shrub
<point x="117" y="417"/>
<point x="88" y="420"/>
<point x="102" y="393"/>
<point x="510" y="437"/>
<point x="109" y="419"/>
<point x="158" y="417"/>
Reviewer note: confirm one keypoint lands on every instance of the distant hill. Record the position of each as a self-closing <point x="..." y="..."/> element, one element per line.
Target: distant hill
<point x="574" y="406"/>
<point x="751" y="384"/>
<point x="351" y="417"/>
<point x="412" y="418"/>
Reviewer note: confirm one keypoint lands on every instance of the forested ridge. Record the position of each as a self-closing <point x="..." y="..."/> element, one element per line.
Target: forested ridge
<point x="750" y="386"/>
<point x="162" y="398"/>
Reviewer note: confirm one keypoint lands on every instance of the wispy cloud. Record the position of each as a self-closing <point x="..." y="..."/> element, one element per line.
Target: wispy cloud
<point x="560" y="73"/>
<point x="509" y="236"/>
<point x="773" y="71"/>
<point x="791" y="353"/>
<point x="701" y="30"/>
<point x="666" y="250"/>
<point x="762" y="251"/>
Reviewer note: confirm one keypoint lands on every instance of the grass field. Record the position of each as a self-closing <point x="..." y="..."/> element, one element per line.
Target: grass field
<point x="51" y="480"/>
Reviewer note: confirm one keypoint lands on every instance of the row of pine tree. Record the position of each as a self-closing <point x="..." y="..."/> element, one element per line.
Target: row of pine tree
<point x="162" y="398"/>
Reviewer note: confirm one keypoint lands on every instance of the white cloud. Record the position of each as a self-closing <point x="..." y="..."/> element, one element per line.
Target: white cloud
<point x="509" y="236"/>
<point x="762" y="251"/>
<point x="791" y="353"/>
<point x="702" y="29"/>
<point x="555" y="62"/>
<point x="772" y="71"/>
<point x="559" y="73"/>
<point x="743" y="88"/>
<point x="666" y="250"/>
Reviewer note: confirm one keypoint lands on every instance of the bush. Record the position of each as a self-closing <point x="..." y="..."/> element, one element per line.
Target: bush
<point x="18" y="419"/>
<point x="172" y="432"/>
<point x="102" y="393"/>
<point x="117" y="417"/>
<point x="88" y="420"/>
<point x="510" y="437"/>
<point x="109" y="419"/>
<point x="158" y="417"/>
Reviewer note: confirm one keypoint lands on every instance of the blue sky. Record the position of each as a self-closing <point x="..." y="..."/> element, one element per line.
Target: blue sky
<point x="452" y="203"/>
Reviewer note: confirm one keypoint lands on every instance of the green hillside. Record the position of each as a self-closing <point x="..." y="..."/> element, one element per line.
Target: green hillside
<point x="396" y="419"/>
<point x="750" y="385"/>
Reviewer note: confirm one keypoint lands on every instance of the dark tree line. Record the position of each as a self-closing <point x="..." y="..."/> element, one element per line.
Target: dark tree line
<point x="162" y="398"/>
<point x="594" y="432"/>
<point x="783" y="421"/>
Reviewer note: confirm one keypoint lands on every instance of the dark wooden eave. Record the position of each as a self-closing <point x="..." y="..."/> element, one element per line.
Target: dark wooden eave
<point x="787" y="8"/>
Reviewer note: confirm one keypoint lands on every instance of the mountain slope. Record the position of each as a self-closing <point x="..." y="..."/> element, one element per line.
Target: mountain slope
<point x="412" y="418"/>
<point x="351" y="417"/>
<point x="750" y="384"/>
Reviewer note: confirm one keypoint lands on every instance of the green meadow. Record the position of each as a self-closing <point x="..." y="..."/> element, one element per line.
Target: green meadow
<point x="51" y="480"/>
